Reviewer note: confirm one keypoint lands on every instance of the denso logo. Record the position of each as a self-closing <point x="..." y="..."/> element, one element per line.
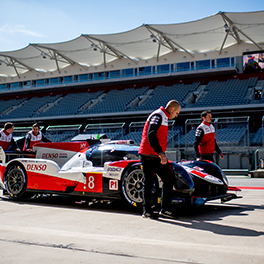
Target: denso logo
<point x="50" y="155"/>
<point x="37" y="167"/>
<point x="114" y="169"/>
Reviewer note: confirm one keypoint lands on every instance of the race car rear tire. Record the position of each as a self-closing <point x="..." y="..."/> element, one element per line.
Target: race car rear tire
<point x="16" y="181"/>
<point x="132" y="186"/>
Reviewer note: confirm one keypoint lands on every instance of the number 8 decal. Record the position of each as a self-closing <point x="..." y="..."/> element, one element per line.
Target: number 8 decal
<point x="91" y="182"/>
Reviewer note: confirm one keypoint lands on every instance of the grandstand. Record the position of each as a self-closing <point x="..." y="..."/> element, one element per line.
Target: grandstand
<point x="110" y="83"/>
<point x="28" y="108"/>
<point x="70" y="104"/>
<point x="162" y="94"/>
<point x="116" y="101"/>
<point x="230" y="92"/>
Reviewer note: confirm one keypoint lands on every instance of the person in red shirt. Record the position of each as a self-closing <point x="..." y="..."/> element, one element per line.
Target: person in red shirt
<point x="33" y="137"/>
<point x="205" y="144"/>
<point x="152" y="154"/>
<point x="7" y="141"/>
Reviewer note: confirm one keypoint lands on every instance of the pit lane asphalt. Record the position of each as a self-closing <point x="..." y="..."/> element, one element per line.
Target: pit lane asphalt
<point x="63" y="230"/>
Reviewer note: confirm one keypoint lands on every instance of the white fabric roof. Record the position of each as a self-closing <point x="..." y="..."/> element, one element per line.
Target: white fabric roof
<point x="212" y="33"/>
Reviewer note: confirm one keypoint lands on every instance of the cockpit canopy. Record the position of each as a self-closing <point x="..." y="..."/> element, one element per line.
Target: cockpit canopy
<point x="99" y="154"/>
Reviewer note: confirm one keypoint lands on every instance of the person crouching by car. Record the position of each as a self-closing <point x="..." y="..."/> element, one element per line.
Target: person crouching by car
<point x="205" y="144"/>
<point x="7" y="141"/>
<point x="152" y="154"/>
<point x="33" y="137"/>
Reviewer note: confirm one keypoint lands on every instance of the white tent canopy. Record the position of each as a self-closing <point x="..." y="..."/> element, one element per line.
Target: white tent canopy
<point x="213" y="33"/>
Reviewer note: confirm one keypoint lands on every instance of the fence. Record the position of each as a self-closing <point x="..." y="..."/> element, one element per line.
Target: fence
<point x="62" y="133"/>
<point x="111" y="130"/>
<point x="232" y="135"/>
<point x="259" y="159"/>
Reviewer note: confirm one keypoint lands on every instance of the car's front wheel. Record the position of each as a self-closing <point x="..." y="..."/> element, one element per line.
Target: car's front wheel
<point x="132" y="185"/>
<point x="16" y="181"/>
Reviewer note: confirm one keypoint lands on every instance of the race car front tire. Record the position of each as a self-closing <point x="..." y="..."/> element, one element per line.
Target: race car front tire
<point x="132" y="185"/>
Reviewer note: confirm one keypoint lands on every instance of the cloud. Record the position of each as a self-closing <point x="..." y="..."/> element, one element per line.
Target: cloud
<point x="18" y="29"/>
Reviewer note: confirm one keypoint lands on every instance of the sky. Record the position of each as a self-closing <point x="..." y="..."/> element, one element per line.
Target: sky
<point x="51" y="21"/>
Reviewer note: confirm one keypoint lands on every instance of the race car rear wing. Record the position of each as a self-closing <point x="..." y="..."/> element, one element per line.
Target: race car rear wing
<point x="60" y="152"/>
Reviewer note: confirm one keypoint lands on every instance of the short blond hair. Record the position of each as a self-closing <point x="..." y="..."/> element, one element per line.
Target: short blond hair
<point x="172" y="103"/>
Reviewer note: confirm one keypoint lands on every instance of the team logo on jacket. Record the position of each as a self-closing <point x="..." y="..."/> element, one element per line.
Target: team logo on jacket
<point x="154" y="120"/>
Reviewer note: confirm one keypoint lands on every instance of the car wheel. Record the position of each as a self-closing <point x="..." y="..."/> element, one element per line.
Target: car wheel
<point x="132" y="185"/>
<point x="16" y="181"/>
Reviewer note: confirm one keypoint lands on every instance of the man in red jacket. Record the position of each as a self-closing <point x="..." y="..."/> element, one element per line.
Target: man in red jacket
<point x="205" y="144"/>
<point x="152" y="153"/>
<point x="33" y="137"/>
<point x="7" y="141"/>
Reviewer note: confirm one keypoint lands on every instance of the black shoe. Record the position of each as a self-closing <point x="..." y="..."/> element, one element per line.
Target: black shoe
<point x="150" y="215"/>
<point x="168" y="214"/>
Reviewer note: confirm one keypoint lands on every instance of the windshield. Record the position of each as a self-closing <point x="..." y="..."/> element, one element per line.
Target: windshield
<point x="104" y="153"/>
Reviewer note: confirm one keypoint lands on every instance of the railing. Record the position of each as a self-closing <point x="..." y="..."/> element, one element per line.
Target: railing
<point x="259" y="159"/>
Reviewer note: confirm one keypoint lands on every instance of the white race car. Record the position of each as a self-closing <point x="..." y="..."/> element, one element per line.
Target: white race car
<point x="106" y="171"/>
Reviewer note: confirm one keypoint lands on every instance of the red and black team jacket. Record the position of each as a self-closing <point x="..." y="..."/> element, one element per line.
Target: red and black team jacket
<point x="31" y="140"/>
<point x="155" y="132"/>
<point x="205" y="142"/>
<point x="6" y="140"/>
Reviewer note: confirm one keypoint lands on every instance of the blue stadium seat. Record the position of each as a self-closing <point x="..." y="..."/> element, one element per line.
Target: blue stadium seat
<point x="230" y="92"/>
<point x="162" y="94"/>
<point x="117" y="101"/>
<point x="257" y="139"/>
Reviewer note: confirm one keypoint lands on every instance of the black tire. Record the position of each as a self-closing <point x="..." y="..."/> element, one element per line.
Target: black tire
<point x="16" y="181"/>
<point x="132" y="185"/>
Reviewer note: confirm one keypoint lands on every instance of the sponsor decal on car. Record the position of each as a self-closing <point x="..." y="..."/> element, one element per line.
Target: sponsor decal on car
<point x="63" y="155"/>
<point x="83" y="145"/>
<point x="114" y="169"/>
<point x="113" y="185"/>
<point x="50" y="155"/>
<point x="36" y="167"/>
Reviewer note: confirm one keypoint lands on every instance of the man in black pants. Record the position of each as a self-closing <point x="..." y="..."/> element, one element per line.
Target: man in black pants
<point x="152" y="152"/>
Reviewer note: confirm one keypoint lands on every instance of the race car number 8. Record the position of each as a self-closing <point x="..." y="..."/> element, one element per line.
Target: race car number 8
<point x="91" y="182"/>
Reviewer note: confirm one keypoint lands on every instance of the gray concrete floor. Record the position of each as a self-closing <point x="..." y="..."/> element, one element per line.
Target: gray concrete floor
<point x="62" y="230"/>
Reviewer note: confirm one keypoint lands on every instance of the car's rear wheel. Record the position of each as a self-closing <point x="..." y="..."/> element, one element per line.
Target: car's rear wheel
<point x="132" y="185"/>
<point x="16" y="181"/>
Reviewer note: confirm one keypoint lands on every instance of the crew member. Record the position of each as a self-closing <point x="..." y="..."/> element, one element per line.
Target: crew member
<point x="7" y="141"/>
<point x="205" y="144"/>
<point x="152" y="153"/>
<point x="33" y="137"/>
